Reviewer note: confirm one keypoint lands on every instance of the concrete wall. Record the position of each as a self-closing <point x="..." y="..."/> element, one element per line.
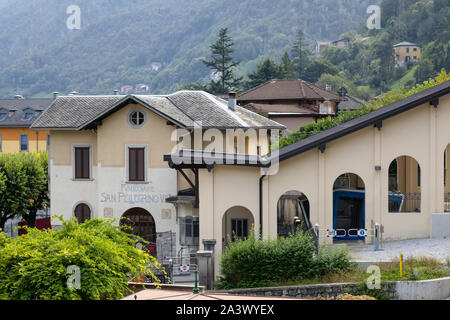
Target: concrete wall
<point x="440" y="225"/>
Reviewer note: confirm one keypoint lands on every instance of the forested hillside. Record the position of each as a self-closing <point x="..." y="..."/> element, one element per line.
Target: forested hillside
<point x="120" y="39"/>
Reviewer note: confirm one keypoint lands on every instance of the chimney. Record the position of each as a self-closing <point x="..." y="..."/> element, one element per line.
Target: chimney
<point x="116" y="92"/>
<point x="327" y="87"/>
<point x="55" y="94"/>
<point x="232" y="96"/>
<point x="18" y="97"/>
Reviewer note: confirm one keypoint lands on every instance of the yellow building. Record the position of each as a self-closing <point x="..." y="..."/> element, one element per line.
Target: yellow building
<point x="406" y="52"/>
<point x="16" y="116"/>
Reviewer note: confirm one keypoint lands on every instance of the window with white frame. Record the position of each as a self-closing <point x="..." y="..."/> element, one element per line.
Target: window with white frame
<point x="189" y="230"/>
<point x="82" y="163"/>
<point x="136" y="163"/>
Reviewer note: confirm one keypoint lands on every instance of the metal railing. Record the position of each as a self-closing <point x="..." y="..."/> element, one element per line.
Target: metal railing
<point x="404" y="202"/>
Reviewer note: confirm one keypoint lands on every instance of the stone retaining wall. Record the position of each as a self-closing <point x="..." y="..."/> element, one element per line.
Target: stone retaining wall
<point x="388" y="290"/>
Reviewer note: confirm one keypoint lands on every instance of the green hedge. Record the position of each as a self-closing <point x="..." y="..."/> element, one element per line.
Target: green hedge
<point x="344" y="116"/>
<point x="257" y="263"/>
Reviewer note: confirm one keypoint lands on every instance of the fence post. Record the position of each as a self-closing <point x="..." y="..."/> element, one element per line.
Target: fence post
<point x="205" y="271"/>
<point x="316" y="231"/>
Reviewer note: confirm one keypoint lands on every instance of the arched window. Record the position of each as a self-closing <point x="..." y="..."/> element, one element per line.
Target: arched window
<point x="82" y="212"/>
<point x="292" y="212"/>
<point x="404" y="185"/>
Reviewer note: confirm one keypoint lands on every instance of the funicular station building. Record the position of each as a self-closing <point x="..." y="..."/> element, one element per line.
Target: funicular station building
<point x="388" y="167"/>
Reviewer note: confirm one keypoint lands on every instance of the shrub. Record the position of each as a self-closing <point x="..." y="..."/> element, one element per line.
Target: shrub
<point x="256" y="263"/>
<point x="333" y="260"/>
<point x="35" y="265"/>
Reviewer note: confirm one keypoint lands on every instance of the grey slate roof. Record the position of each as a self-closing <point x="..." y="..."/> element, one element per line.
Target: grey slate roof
<point x="351" y="103"/>
<point x="15" y="111"/>
<point x="183" y="108"/>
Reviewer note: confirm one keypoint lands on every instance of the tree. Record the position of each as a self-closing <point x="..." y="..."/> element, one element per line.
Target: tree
<point x="300" y="54"/>
<point x="287" y="67"/>
<point x="25" y="186"/>
<point x="38" y="181"/>
<point x="223" y="64"/>
<point x="318" y="67"/>
<point x="424" y="71"/>
<point x="40" y="264"/>
<point x="267" y="70"/>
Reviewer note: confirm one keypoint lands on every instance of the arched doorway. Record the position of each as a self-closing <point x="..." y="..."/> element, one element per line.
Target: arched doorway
<point x="348" y="207"/>
<point x="292" y="211"/>
<point x="236" y="224"/>
<point x="142" y="224"/>
<point x="404" y="185"/>
<point x="82" y="212"/>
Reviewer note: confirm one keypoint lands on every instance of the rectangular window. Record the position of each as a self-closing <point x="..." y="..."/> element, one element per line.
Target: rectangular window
<point x="415" y="49"/>
<point x="82" y="162"/>
<point x="407" y="49"/>
<point x="23" y="142"/>
<point x="136" y="164"/>
<point x="189" y="230"/>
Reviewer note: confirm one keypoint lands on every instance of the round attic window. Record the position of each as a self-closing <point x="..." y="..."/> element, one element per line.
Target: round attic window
<point x="136" y="118"/>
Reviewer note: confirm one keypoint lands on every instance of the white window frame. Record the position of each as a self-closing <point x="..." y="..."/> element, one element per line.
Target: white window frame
<point x="127" y="163"/>
<point x="131" y="124"/>
<point x="90" y="161"/>
<point x="20" y="142"/>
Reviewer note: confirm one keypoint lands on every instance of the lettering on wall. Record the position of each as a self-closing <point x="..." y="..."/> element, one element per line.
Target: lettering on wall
<point x="135" y="194"/>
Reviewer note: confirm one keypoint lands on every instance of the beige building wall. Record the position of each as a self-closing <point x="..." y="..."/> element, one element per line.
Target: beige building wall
<point x="422" y="133"/>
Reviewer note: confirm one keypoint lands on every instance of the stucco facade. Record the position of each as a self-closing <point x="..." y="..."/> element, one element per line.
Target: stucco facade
<point x="421" y="133"/>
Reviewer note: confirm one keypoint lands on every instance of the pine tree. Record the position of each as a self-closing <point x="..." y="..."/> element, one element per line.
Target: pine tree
<point x="287" y="67"/>
<point x="267" y="70"/>
<point x="223" y="64"/>
<point x="300" y="54"/>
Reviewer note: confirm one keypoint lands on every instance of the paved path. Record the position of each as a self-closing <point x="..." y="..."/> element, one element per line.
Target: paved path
<point x="155" y="294"/>
<point x="435" y="248"/>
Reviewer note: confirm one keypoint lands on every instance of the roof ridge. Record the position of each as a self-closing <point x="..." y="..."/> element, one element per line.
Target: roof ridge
<point x="226" y="109"/>
<point x="181" y="110"/>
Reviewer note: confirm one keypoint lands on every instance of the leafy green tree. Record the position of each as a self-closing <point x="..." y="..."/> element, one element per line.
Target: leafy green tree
<point x="14" y="191"/>
<point x="266" y="70"/>
<point x="37" y="173"/>
<point x="300" y="54"/>
<point x="26" y="191"/>
<point x="318" y="67"/>
<point x="287" y="67"/>
<point x="40" y="264"/>
<point x="222" y="63"/>
<point x="424" y="71"/>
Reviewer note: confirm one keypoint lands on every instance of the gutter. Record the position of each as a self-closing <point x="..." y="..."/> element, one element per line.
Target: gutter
<point x="261" y="206"/>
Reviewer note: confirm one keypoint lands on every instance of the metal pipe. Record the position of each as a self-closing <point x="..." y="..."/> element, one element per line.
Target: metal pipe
<point x="261" y="206"/>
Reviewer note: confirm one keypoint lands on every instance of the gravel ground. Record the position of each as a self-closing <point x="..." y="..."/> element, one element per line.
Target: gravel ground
<point x="435" y="248"/>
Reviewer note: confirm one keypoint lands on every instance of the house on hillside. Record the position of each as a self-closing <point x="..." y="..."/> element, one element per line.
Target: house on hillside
<point x="321" y="45"/>
<point x="16" y="117"/>
<point x="405" y="52"/>
<point x="292" y="103"/>
<point x="106" y="159"/>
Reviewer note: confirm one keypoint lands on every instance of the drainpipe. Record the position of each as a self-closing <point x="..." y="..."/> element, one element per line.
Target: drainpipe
<point x="261" y="206"/>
